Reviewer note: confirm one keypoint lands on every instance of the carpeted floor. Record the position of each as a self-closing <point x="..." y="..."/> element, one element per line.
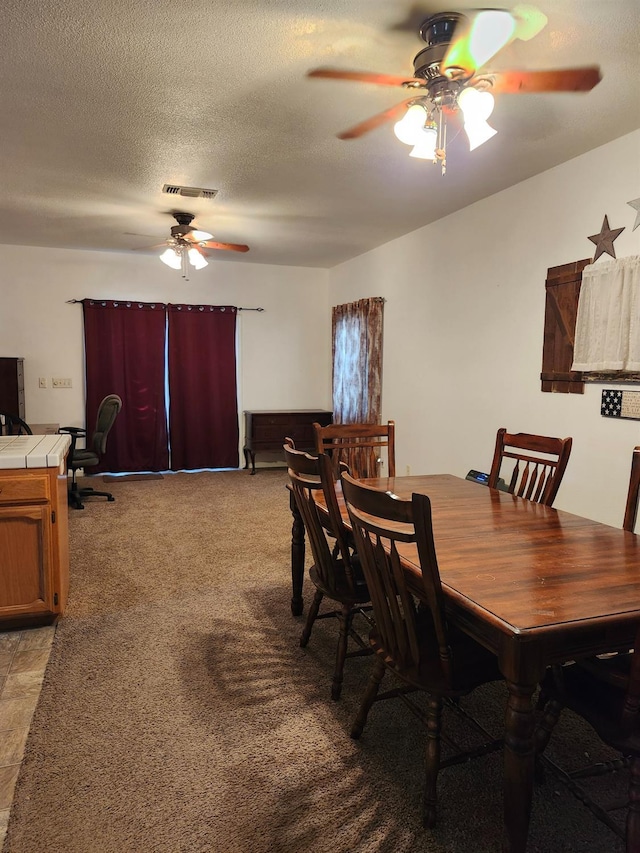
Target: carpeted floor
<point x="180" y="715"/>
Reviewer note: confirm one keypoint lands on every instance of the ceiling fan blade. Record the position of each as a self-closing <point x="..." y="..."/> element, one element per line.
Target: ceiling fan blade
<point x="481" y="33"/>
<point x="478" y="36"/>
<point x="231" y="247"/>
<point x="414" y="18"/>
<point x="365" y="77"/>
<point x="393" y="113"/>
<point x="199" y="235"/>
<point x="559" y="80"/>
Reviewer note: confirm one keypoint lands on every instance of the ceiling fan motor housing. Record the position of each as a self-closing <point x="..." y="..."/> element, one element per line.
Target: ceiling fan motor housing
<point x="438" y="31"/>
<point x="184" y="224"/>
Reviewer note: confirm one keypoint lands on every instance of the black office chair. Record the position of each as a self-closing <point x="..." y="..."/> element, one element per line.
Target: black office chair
<point x="11" y="424"/>
<point x="87" y="457"/>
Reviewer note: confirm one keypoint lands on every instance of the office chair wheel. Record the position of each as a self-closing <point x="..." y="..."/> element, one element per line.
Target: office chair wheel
<point x="111" y="498"/>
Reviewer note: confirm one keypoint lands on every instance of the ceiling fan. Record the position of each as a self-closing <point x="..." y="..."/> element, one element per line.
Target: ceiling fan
<point x="447" y="78"/>
<point x="187" y="245"/>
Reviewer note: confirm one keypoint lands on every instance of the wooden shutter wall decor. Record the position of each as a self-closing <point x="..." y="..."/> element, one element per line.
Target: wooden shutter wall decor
<point x="561" y="308"/>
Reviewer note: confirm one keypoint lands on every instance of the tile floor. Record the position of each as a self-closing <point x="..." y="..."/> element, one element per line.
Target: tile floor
<point x="23" y="658"/>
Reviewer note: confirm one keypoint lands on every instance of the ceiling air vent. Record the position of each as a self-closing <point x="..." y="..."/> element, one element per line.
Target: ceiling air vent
<point x="189" y="192"/>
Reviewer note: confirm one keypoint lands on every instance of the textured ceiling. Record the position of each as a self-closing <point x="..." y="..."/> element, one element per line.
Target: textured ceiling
<point x="103" y="103"/>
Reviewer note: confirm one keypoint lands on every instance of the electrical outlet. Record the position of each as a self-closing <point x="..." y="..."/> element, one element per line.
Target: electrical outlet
<point x="408" y="470"/>
<point x="61" y="383"/>
<point x="42" y="382"/>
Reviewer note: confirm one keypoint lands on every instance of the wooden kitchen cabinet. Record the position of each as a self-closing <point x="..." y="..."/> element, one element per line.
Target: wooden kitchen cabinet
<point x="34" y="542"/>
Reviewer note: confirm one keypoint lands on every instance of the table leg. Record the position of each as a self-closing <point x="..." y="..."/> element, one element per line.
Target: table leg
<point x="519" y="759"/>
<point x="249" y="455"/>
<point x="297" y="557"/>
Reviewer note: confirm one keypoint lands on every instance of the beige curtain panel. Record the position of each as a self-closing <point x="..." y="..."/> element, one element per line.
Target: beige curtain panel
<point x="608" y="320"/>
<point x="357" y="361"/>
<point x="357" y="367"/>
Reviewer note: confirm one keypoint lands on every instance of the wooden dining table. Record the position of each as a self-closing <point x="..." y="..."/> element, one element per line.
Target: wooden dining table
<point x="535" y="585"/>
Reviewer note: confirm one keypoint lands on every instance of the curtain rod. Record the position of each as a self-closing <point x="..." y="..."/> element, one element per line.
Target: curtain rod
<point x="74" y="301"/>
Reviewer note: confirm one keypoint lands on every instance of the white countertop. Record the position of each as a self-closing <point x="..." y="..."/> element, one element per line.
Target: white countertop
<point x="33" y="451"/>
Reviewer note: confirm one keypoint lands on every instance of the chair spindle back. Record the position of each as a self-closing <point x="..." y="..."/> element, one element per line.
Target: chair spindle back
<point x="540" y="463"/>
<point x="311" y="476"/>
<point x="359" y="446"/>
<point x="633" y="497"/>
<point x="11" y="424"/>
<point x="382" y="523"/>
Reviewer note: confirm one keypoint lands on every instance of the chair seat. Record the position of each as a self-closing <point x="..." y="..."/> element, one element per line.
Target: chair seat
<point x="614" y="669"/>
<point x="597" y="693"/>
<point x="84" y="457"/>
<point x="474" y="665"/>
<point x="340" y="589"/>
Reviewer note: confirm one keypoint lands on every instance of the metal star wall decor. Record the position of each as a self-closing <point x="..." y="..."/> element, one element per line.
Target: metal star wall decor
<point x="635" y="204"/>
<point x="604" y="240"/>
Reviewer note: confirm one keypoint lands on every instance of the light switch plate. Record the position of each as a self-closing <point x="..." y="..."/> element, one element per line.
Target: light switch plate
<point x="60" y="383"/>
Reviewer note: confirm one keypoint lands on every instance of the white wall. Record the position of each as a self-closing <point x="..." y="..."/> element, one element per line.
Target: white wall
<point x="464" y="322"/>
<point x="284" y="352"/>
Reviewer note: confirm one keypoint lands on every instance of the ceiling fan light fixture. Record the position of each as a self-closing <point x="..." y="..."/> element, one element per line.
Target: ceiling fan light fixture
<point x="171" y="258"/>
<point x="476" y="107"/>
<point x="411" y="125"/>
<point x="197" y="260"/>
<point x="479" y="133"/>
<point x="425" y="145"/>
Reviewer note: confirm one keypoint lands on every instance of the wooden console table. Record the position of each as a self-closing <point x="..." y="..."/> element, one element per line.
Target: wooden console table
<point x="45" y="429"/>
<point x="266" y="430"/>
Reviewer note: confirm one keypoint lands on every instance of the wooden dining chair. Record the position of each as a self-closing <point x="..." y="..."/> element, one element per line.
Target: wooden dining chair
<point x="411" y="638"/>
<point x="540" y="463"/>
<point x="335" y="573"/>
<point x="11" y="424"/>
<point x="608" y="698"/>
<point x="605" y="691"/>
<point x="633" y="496"/>
<point x="360" y="446"/>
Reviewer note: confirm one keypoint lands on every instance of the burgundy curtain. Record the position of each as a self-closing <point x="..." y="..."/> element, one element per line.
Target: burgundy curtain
<point x="203" y="406"/>
<point x="124" y="352"/>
